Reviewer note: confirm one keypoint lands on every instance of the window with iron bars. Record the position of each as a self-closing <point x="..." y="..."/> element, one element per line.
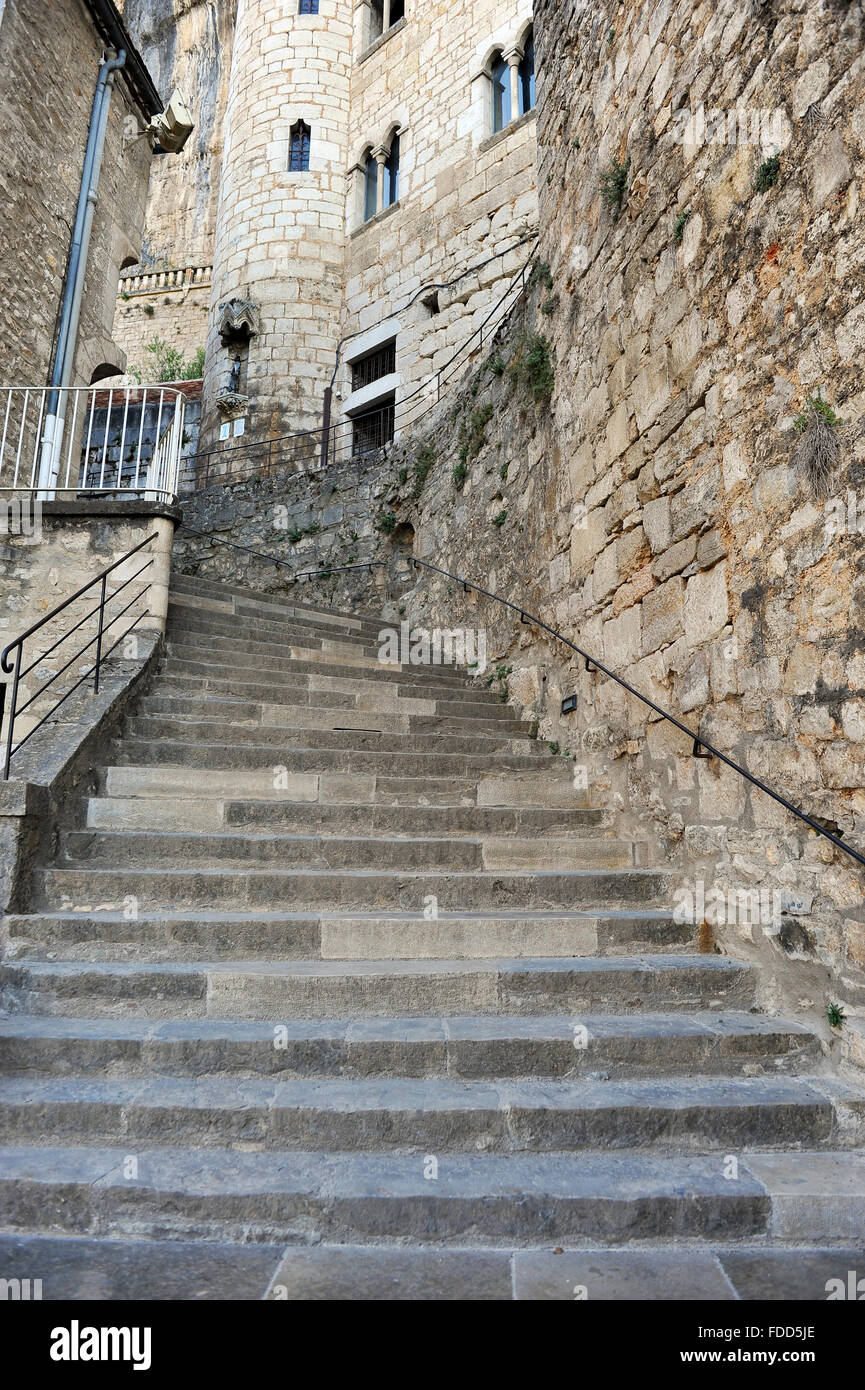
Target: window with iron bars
<point x="373" y="429"/>
<point x="374" y="366"/>
<point x="298" y="160"/>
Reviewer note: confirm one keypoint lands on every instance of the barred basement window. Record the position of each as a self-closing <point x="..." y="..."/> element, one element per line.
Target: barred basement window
<point x="374" y="366"/>
<point x="374" y="428"/>
<point x="301" y="136"/>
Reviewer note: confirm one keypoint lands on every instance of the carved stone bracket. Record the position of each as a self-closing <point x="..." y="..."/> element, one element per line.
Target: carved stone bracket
<point x="231" y="404"/>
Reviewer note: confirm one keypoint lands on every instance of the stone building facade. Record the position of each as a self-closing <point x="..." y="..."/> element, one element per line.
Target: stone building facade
<point x="377" y="192"/>
<point x="48" y="75"/>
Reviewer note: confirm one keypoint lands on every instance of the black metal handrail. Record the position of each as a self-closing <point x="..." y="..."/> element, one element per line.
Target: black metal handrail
<point x="13" y="666"/>
<point x="592" y="663"/>
<point x="320" y="444"/>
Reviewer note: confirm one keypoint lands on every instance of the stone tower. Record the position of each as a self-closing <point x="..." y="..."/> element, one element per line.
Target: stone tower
<point x="280" y="244"/>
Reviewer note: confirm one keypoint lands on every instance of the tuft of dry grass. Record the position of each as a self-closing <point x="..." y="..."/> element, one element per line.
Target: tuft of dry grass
<point x="818" y="452"/>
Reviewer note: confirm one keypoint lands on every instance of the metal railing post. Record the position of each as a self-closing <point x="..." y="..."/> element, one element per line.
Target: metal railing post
<point x="7" y="758"/>
<point x="99" y="632"/>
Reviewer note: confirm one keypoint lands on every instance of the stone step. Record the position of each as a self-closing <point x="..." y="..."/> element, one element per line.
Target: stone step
<point x="473" y="1200"/>
<point x="297" y="663"/>
<point x="214" y="755"/>
<point x="480" y="1047"/>
<point x="302" y="650"/>
<point x="84" y="890"/>
<point x="330" y="716"/>
<point x="187" y="813"/>
<point x="293" y="672"/>
<point x="515" y="791"/>
<point x="119" y="1270"/>
<point x="319" y="691"/>
<point x="279" y="991"/>
<point x="305" y="936"/>
<point x="182" y="619"/>
<point x="362" y="738"/>
<point x="419" y="1116"/>
<point x="246" y="603"/>
<point x="238" y="849"/>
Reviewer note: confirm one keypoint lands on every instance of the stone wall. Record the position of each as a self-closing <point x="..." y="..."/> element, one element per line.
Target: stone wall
<point x="172" y="306"/>
<point x="656" y="510"/>
<point x="48" y="75"/>
<point x="47" y="562"/>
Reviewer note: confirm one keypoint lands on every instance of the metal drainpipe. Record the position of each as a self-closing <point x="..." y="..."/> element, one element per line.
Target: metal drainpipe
<point x="67" y="337"/>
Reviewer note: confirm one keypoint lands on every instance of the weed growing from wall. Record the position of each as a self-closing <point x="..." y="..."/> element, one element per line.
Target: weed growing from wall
<point x="531" y="366"/>
<point x="818" y="452"/>
<point x="614" y="186"/>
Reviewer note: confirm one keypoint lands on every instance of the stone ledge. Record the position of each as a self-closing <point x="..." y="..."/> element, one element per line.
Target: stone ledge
<point x="381" y="40"/>
<point x="510" y="129"/>
<point x="377" y="220"/>
<point x="111" y="507"/>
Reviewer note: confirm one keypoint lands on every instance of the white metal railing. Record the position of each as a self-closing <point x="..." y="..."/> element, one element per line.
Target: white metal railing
<point x="91" y="440"/>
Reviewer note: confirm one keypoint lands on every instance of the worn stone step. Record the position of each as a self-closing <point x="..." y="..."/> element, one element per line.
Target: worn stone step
<point x="473" y="1047"/>
<point x="517" y="791"/>
<point x="245" y="603"/>
<point x="83" y="890"/>
<point x="362" y="738"/>
<point x="419" y="1116"/>
<point x="207" y="813"/>
<point x="236" y="849"/>
<point x="215" y="935"/>
<point x="278" y="991"/>
<point x="189" y="752"/>
<point x="277" y="632"/>
<point x="330" y="716"/>
<point x="473" y="1199"/>
<point x="320" y="693"/>
<point x="287" y="673"/>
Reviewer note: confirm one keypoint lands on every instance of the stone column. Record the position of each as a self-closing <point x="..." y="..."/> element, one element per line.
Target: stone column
<point x="513" y="60"/>
<point x="380" y="156"/>
<point x="385" y="16"/>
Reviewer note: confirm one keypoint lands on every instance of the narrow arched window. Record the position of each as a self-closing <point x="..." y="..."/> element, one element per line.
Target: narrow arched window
<point x="500" y="79"/>
<point x="308" y="7"/>
<point x="298" y="160"/>
<point x="527" y="75"/>
<point x="370" y="193"/>
<point x="391" y="174"/>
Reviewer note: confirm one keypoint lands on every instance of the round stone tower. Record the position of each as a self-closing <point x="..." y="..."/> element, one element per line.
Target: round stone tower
<point x="280" y="239"/>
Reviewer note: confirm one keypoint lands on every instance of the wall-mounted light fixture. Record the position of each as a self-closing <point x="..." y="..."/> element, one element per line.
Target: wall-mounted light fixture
<point x="569" y="704"/>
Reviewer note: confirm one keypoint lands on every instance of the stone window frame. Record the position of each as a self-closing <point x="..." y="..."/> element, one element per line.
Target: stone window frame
<point x="300" y="139"/>
<point x="380" y="151"/>
<point x="512" y="51"/>
<point x="371" y="38"/>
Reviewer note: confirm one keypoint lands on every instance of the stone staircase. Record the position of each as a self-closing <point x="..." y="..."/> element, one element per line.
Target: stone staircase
<point x="337" y="988"/>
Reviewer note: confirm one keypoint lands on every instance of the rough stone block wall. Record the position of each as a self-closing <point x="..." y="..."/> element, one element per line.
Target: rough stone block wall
<point x="655" y="510"/>
<point x="48" y="75"/>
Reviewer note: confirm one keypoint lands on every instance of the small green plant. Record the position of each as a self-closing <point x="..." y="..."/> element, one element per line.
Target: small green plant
<point x="534" y="727"/>
<point x="554" y="749"/>
<point x="295" y="535"/>
<point x="386" y="523"/>
<point x="503" y="472"/>
<point x="169" y="364"/>
<point x="767" y="175"/>
<point x="313" y="528"/>
<point x="575" y="144"/>
<point x="614" y="186"/>
<point x="497" y="365"/>
<point x="836" y="1016"/>
<point x="531" y="366"/>
<point x="500" y="519"/>
<point x="550" y="305"/>
<point x="611" y="34"/>
<point x="542" y="275"/>
<point x="473" y="432"/>
<point x="680" y="224"/>
<point x="459" y="474"/>
<point x="423" y="467"/>
<point x="818" y="451"/>
<point x="403" y="475"/>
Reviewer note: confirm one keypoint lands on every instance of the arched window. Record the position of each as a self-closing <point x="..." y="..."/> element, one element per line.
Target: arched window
<point x="298" y="160"/>
<point x="527" y="75"/>
<point x="308" y="7"/>
<point x="500" y="79"/>
<point x="370" y="192"/>
<point x="391" y="174"/>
